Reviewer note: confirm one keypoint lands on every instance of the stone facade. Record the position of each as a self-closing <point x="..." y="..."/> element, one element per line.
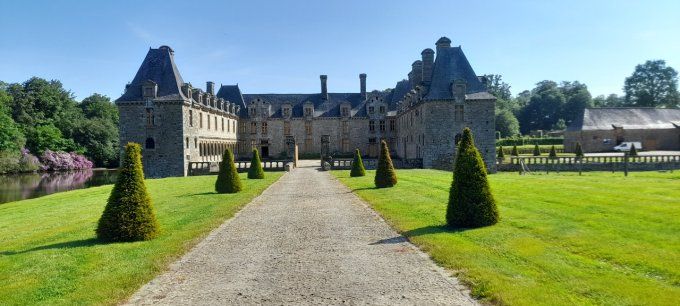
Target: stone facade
<point x="420" y="118"/>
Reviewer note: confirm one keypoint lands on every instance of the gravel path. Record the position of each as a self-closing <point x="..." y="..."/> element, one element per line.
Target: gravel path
<point x="306" y="240"/>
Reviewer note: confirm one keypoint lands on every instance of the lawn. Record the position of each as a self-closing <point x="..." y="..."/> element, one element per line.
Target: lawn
<point x="49" y="254"/>
<point x="563" y="239"/>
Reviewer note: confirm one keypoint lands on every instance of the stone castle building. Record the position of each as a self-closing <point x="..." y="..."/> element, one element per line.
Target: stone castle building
<point x="420" y="118"/>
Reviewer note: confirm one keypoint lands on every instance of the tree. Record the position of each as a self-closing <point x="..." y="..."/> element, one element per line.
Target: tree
<point x="357" y="165"/>
<point x="611" y="100"/>
<point x="501" y="154"/>
<point x="652" y="84"/>
<point x="579" y="150"/>
<point x="99" y="137"/>
<point x="633" y="151"/>
<point x="11" y="137"/>
<point x="99" y="106"/>
<point x="228" y="180"/>
<point x="129" y="214"/>
<point x="471" y="203"/>
<point x="385" y="176"/>
<point x="514" y="152"/>
<point x="577" y="98"/>
<point x="497" y="87"/>
<point x="544" y="108"/>
<point x="48" y="136"/>
<point x="506" y="123"/>
<point x="553" y="152"/>
<point x="537" y="150"/>
<point x="255" y="171"/>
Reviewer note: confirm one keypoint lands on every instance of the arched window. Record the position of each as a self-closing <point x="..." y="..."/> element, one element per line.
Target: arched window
<point x="150" y="143"/>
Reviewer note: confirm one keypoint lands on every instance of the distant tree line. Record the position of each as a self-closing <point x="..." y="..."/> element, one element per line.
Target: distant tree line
<point x="553" y="106"/>
<point x="41" y="115"/>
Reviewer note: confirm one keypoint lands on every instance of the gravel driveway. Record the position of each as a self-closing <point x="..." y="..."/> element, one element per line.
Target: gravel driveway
<point x="306" y="240"/>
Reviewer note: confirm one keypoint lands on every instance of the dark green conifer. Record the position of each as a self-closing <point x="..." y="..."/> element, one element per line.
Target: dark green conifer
<point x="537" y="150"/>
<point x="501" y="154"/>
<point x="514" y="152"/>
<point x="633" y="151"/>
<point x="228" y="180"/>
<point x="553" y="152"/>
<point x="129" y="214"/>
<point x="471" y="203"/>
<point x="255" y="171"/>
<point x="358" y="168"/>
<point x="385" y="175"/>
<point x="579" y="150"/>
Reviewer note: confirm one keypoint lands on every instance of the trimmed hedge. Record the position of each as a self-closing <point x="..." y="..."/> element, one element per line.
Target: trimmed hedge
<point x="553" y="152"/>
<point x="515" y="152"/>
<point x="537" y="150"/>
<point x="471" y="203"/>
<point x="358" y="168"/>
<point x="255" y="171"/>
<point x="530" y="141"/>
<point x="501" y="154"/>
<point x="129" y="214"/>
<point x="633" y="151"/>
<point x="228" y="180"/>
<point x="384" y="174"/>
<point x="579" y="150"/>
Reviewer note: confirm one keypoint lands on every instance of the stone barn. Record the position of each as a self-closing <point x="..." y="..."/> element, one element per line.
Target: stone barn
<point x="600" y="129"/>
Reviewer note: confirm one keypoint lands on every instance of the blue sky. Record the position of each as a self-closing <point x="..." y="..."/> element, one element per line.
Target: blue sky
<point x="272" y="46"/>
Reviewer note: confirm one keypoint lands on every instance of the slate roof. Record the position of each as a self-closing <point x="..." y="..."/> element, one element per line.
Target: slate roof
<point x="322" y="108"/>
<point x="232" y="93"/>
<point x="450" y="65"/>
<point x="158" y="66"/>
<point x="630" y="118"/>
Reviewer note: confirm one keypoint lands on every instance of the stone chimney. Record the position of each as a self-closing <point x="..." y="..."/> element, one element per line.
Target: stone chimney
<point x="443" y="43"/>
<point x="428" y="63"/>
<point x="415" y="77"/>
<point x="210" y="87"/>
<point x="324" y="86"/>
<point x="362" y="85"/>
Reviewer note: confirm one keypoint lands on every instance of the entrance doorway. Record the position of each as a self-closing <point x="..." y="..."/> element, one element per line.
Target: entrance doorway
<point x="264" y="151"/>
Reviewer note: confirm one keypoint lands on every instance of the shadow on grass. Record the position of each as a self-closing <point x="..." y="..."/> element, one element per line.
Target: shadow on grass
<point x="61" y="245"/>
<point x="432" y="229"/>
<point x="365" y="188"/>
<point x="198" y="194"/>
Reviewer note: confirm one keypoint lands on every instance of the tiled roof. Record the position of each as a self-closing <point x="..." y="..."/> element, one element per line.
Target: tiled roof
<point x="450" y="65"/>
<point x="158" y="66"/>
<point x="627" y="118"/>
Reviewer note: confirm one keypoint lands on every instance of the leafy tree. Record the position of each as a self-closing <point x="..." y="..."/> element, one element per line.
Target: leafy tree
<point x="537" y="150"/>
<point x="560" y="125"/>
<point x="129" y="214"/>
<point x="385" y="176"/>
<point x="577" y="98"/>
<point x="357" y="165"/>
<point x="99" y="106"/>
<point x="652" y="84"/>
<point x="553" y="152"/>
<point x="506" y="123"/>
<point x="514" y="152"/>
<point x="48" y="136"/>
<point x="611" y="100"/>
<point x="11" y="137"/>
<point x="543" y="110"/>
<point x="255" y="171"/>
<point x="99" y="137"/>
<point x="471" y="203"/>
<point x="497" y="87"/>
<point x="579" y="150"/>
<point x="228" y="180"/>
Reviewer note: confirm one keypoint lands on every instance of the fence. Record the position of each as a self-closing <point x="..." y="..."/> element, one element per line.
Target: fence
<point x="203" y="168"/>
<point x="591" y="163"/>
<point x="371" y="164"/>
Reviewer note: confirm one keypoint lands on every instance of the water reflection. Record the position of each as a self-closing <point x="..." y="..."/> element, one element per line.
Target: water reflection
<point x="14" y="187"/>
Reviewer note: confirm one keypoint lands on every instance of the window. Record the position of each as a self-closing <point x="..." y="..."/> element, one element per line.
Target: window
<point x="200" y="120"/>
<point x="187" y="142"/>
<point x="393" y="125"/>
<point x="149" y="117"/>
<point x="215" y="122"/>
<point x="253" y="112"/>
<point x="382" y="109"/>
<point x="286" y="112"/>
<point x="371" y="110"/>
<point x="371" y="126"/>
<point x="264" y="127"/>
<point x="233" y="126"/>
<point x="191" y="117"/>
<point x="150" y="143"/>
<point x="308" y="111"/>
<point x="371" y="140"/>
<point x="148" y="91"/>
<point x="345" y="127"/>
<point x="195" y="142"/>
<point x="345" y="111"/>
<point x="286" y="128"/>
<point x="222" y="124"/>
<point x="208" y="121"/>
<point x="382" y="125"/>
<point x="345" y="145"/>
<point x="308" y="128"/>
<point x="459" y="113"/>
<point x="253" y="128"/>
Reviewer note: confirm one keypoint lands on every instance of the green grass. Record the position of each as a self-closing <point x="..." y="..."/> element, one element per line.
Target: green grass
<point x="49" y="255"/>
<point x="563" y="239"/>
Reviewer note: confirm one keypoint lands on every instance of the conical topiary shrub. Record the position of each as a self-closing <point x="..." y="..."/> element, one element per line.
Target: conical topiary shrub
<point x="553" y="152"/>
<point x="255" y="171"/>
<point x="633" y="151"/>
<point x="501" y="154"/>
<point x="385" y="175"/>
<point x="579" y="150"/>
<point x="228" y="180"/>
<point x="357" y="165"/>
<point x="129" y="214"/>
<point x="514" y="152"/>
<point x="471" y="203"/>
<point x="537" y="150"/>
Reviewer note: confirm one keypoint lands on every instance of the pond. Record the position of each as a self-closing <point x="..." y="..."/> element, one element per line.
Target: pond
<point x="15" y="187"/>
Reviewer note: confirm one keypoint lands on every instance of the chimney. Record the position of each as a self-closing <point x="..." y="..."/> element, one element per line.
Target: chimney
<point x="415" y="77"/>
<point x="443" y="43"/>
<point x="324" y="86"/>
<point x="210" y="87"/>
<point x="362" y="86"/>
<point x="428" y="63"/>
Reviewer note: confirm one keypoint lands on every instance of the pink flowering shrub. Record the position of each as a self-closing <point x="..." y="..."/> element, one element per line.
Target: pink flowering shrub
<point x="28" y="162"/>
<point x="54" y="161"/>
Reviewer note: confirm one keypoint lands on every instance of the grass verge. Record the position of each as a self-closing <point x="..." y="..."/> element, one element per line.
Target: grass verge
<point x="563" y="239"/>
<point x="49" y="254"/>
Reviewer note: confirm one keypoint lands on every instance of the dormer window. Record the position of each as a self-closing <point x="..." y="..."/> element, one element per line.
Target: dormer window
<point x="149" y="89"/>
<point x="286" y="111"/>
<point x="371" y="110"/>
<point x="344" y="111"/>
<point x="382" y="109"/>
<point x="309" y="109"/>
<point x="253" y="112"/>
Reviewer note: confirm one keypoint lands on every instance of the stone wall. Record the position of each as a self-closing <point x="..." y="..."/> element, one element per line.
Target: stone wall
<point x="651" y="139"/>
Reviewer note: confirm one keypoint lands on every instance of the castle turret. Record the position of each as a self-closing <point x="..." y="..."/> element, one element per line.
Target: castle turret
<point x="442" y="43"/>
<point x="428" y="63"/>
<point x="415" y="77"/>
<point x="362" y="85"/>
<point x="210" y="87"/>
<point x="324" y="86"/>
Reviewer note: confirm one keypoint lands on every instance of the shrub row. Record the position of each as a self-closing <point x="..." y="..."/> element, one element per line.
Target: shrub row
<point x="529" y="141"/>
